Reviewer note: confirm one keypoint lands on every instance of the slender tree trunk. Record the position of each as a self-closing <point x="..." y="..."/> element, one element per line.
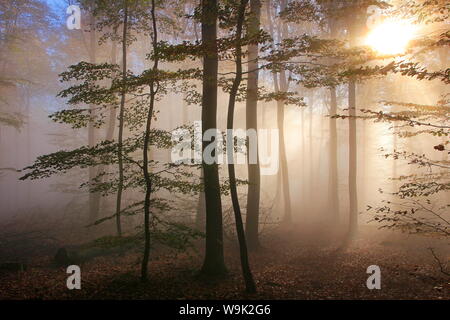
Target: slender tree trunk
<point x="318" y="155"/>
<point x="333" y="184"/>
<point x="94" y="197"/>
<point x="281" y="85"/>
<point x="333" y="187"/>
<point x="28" y="143"/>
<point x="214" y="264"/>
<point x="248" y="277"/>
<point x="148" y="180"/>
<point x="276" y="87"/>
<point x="353" y="212"/>
<point x="280" y="113"/>
<point x="112" y="112"/>
<point x="352" y="154"/>
<point x="109" y="135"/>
<point x="121" y="120"/>
<point x="254" y="177"/>
<point x="283" y="163"/>
<point x="303" y="161"/>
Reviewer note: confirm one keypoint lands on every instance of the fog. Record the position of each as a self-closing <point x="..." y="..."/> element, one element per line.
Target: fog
<point x="401" y="167"/>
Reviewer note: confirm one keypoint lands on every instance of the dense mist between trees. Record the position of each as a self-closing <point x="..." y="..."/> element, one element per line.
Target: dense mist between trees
<point x="88" y="122"/>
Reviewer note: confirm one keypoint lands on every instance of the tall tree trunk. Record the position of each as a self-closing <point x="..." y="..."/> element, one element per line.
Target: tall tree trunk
<point x="254" y="177"/>
<point x="311" y="143"/>
<point x="280" y="113"/>
<point x="303" y="160"/>
<point x="352" y="151"/>
<point x="214" y="264"/>
<point x="283" y="154"/>
<point x="109" y="135"/>
<point x="148" y="181"/>
<point x="28" y="141"/>
<point x="333" y="187"/>
<point x="112" y="112"/>
<point x="121" y="120"/>
<point x="94" y="197"/>
<point x="276" y="87"/>
<point x="281" y="85"/>
<point x="318" y="155"/>
<point x="352" y="160"/>
<point x="248" y="277"/>
<point x="333" y="183"/>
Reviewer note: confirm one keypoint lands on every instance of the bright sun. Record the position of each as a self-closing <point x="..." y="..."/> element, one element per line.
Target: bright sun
<point x="391" y="37"/>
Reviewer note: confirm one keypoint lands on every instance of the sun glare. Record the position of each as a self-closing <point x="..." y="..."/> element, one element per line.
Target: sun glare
<point x="391" y="37"/>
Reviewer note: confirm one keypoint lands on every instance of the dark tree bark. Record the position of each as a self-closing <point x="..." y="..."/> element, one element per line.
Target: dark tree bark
<point x="214" y="264"/>
<point x="148" y="180"/>
<point x="248" y="277"/>
<point x="254" y="177"/>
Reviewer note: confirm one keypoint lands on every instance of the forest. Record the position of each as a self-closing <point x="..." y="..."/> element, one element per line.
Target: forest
<point x="224" y="150"/>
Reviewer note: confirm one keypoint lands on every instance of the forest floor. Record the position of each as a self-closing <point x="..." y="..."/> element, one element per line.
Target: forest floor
<point x="288" y="267"/>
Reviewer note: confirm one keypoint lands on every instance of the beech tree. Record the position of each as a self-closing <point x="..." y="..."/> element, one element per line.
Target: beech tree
<point x="214" y="260"/>
<point x="101" y="85"/>
<point x="251" y="107"/>
<point x="239" y="22"/>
